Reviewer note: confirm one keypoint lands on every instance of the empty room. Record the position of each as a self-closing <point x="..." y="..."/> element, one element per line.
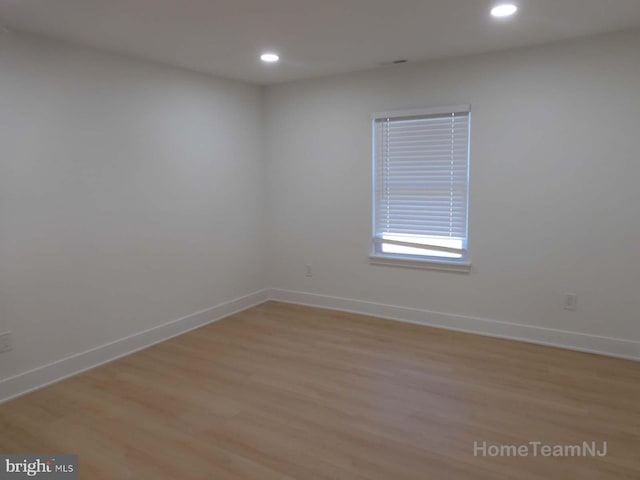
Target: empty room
<point x="319" y="240"/>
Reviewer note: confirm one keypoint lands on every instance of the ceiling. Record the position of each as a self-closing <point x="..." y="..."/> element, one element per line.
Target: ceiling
<point x="313" y="37"/>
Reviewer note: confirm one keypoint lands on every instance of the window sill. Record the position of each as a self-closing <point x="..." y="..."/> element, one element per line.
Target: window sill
<point x="426" y="264"/>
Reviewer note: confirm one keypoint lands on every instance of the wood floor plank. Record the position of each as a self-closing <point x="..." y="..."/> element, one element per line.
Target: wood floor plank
<point x="283" y="392"/>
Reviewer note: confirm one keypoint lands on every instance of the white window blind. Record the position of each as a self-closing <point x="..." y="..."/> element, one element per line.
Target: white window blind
<point x="422" y="183"/>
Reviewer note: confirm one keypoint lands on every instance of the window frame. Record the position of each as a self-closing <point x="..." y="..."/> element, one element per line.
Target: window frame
<point x="377" y="256"/>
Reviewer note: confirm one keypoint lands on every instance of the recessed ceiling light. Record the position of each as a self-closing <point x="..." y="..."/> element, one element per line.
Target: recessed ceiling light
<point x="504" y="10"/>
<point x="269" y="57"/>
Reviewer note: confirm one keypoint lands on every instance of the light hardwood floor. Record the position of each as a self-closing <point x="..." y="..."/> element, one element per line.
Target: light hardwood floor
<point x="287" y="392"/>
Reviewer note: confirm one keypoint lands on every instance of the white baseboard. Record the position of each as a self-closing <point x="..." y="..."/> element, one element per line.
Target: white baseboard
<point x="613" y="347"/>
<point x="31" y="380"/>
<point x="26" y="382"/>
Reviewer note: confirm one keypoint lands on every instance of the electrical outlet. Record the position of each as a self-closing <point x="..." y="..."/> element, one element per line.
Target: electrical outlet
<point x="570" y="301"/>
<point x="308" y="271"/>
<point x="5" y="342"/>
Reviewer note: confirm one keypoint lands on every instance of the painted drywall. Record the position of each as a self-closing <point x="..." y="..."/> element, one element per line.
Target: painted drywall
<point x="131" y="195"/>
<point x="554" y="185"/>
<point x="134" y="194"/>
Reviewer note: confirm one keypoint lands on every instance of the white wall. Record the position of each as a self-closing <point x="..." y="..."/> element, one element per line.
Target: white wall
<point x="131" y="194"/>
<point x="555" y="185"/>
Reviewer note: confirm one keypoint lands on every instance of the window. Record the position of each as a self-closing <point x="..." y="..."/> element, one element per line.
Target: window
<point x="421" y="185"/>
